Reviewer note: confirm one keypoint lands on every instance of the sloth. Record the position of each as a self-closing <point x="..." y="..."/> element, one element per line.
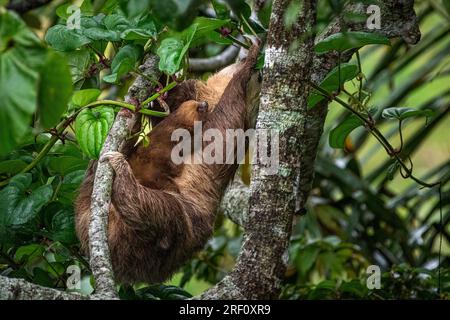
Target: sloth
<point x="162" y="213"/>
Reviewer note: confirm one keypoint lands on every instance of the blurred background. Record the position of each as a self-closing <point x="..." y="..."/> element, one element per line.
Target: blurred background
<point x="358" y="215"/>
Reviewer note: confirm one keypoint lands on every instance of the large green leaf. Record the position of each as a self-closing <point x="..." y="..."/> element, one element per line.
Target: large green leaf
<point x="99" y="33"/>
<point x="63" y="227"/>
<point x="331" y="82"/>
<point x="204" y="28"/>
<point x="20" y="55"/>
<point x="62" y="38"/>
<point x="169" y="53"/>
<point x="19" y="204"/>
<point x="340" y="133"/>
<point x="124" y="61"/>
<point x="82" y="98"/>
<point x="404" y="113"/>
<point x="92" y="127"/>
<point x="18" y="93"/>
<point x="172" y="50"/>
<point x="55" y="89"/>
<point x="79" y="62"/>
<point x="13" y="31"/>
<point x="349" y="40"/>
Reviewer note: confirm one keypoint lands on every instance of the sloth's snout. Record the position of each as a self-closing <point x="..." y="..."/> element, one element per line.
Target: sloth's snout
<point x="202" y="107"/>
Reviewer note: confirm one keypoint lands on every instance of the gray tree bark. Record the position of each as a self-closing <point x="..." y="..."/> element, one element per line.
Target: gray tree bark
<point x="273" y="199"/>
<point x="101" y="196"/>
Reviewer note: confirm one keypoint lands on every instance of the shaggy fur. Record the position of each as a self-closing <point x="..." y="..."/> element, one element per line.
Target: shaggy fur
<point x="162" y="213"/>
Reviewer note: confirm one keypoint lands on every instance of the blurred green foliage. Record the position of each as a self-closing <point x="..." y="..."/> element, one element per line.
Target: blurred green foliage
<point x="361" y="212"/>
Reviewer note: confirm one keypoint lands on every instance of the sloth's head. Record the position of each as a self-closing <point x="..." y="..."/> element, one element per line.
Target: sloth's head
<point x="193" y="110"/>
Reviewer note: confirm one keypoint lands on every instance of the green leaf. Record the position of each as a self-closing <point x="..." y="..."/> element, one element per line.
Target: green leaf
<point x="14" y="32"/>
<point x="84" y="97"/>
<point x="66" y="164"/>
<point x="404" y="113"/>
<point x="42" y="278"/>
<point x="116" y="22"/>
<point x="350" y="40"/>
<point x="124" y="61"/>
<point x="221" y="10"/>
<point x="134" y="8"/>
<point x="63" y="227"/>
<point x="340" y="133"/>
<point x="169" y="53"/>
<point x="239" y="7"/>
<point x="392" y="169"/>
<point x="87" y="8"/>
<point x="172" y="50"/>
<point x="18" y="204"/>
<point x="79" y="62"/>
<point x="18" y="92"/>
<point x="20" y="54"/>
<point x="331" y="82"/>
<point x="12" y="167"/>
<point x="92" y="127"/>
<point x="306" y="258"/>
<point x="64" y="39"/>
<point x="97" y="34"/>
<point x="176" y="14"/>
<point x="29" y="253"/>
<point x="204" y="27"/>
<point x="55" y="89"/>
<point x="354" y="288"/>
<point x="140" y="29"/>
<point x="63" y="12"/>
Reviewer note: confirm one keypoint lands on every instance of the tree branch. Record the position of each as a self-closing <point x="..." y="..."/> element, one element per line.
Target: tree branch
<point x="224" y="58"/>
<point x="234" y="204"/>
<point x="262" y="261"/>
<point x="22" y="7"/>
<point x="101" y="196"/>
<point x="19" y="289"/>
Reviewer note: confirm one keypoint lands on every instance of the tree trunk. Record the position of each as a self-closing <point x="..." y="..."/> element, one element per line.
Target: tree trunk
<point x="274" y="198"/>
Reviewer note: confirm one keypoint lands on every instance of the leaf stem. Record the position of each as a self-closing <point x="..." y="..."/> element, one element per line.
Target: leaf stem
<point x="248" y="26"/>
<point x="401" y="135"/>
<point x="48" y="146"/>
<point x="377" y="134"/>
<point x="360" y="78"/>
<point x="170" y="86"/>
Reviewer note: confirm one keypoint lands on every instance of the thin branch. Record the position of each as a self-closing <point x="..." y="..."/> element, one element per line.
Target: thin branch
<point x="224" y="58"/>
<point x="26" y="5"/>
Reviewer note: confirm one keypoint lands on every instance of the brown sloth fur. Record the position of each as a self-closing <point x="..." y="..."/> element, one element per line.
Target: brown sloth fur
<point x="162" y="213"/>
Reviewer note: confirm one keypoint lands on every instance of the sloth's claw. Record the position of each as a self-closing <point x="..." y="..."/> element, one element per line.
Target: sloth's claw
<point x="112" y="157"/>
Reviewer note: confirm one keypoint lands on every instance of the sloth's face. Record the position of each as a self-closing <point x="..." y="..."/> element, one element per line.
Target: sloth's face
<point x="193" y="110"/>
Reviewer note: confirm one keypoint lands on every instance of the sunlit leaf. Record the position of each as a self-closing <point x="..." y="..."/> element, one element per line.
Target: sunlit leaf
<point x="404" y="113"/>
<point x="349" y="40"/>
<point x="338" y="134"/>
